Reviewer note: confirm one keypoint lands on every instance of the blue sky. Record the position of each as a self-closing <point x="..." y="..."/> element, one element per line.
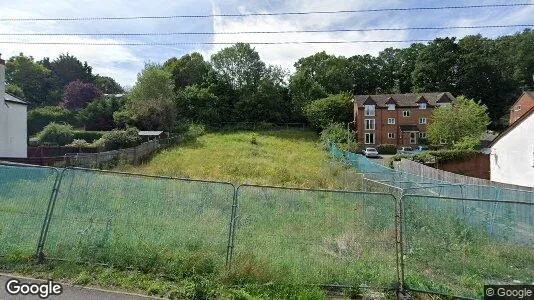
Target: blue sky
<point x="124" y="62"/>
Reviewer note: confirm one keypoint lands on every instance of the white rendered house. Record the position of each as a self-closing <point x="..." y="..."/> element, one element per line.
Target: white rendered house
<point x="13" y="121"/>
<point x="512" y="153"/>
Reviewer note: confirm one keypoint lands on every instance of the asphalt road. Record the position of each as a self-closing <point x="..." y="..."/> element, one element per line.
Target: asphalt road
<point x="69" y="292"/>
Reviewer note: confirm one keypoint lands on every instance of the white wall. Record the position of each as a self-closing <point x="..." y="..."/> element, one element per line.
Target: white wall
<point x="512" y="157"/>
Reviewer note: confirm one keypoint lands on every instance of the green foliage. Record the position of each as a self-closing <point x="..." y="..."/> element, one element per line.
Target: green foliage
<point x="336" y="133"/>
<point x="67" y="68"/>
<point x="190" y="69"/>
<point x="463" y="119"/>
<point x="89" y="136"/>
<point x="450" y="155"/>
<point x="154" y="82"/>
<point x="155" y="114"/>
<point x="38" y="118"/>
<point x="240" y="65"/>
<point x="56" y="134"/>
<point x="333" y="109"/>
<point x="98" y="115"/>
<point x="194" y="131"/>
<point x="467" y="143"/>
<point x="119" y="139"/>
<point x="108" y="85"/>
<point x="387" y="149"/>
<point x="199" y="104"/>
<point x="15" y="90"/>
<point x="80" y="144"/>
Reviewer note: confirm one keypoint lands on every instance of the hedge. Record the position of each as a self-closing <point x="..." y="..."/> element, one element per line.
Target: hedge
<point x="387" y="149"/>
<point x="89" y="136"/>
<point x="40" y="117"/>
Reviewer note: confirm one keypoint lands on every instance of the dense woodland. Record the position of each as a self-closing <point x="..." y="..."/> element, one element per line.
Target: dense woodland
<point x="235" y="85"/>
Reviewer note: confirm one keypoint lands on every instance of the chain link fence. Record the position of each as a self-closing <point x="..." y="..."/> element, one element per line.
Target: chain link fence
<point x="385" y="237"/>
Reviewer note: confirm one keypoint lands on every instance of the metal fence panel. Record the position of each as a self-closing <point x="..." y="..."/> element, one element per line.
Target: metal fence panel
<point x="315" y="236"/>
<point x="133" y="220"/>
<point x="455" y="246"/>
<point x="25" y="193"/>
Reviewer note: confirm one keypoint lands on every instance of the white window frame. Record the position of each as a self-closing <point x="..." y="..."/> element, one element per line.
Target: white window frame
<point x="368" y="123"/>
<point x="413" y="138"/>
<point x="391" y="135"/>
<point x="391" y="106"/>
<point x="422" y="105"/>
<point x="517" y="108"/>
<point x="406" y="113"/>
<point x="368" y="136"/>
<point x="423" y="135"/>
<point x="422" y="120"/>
<point x="391" y="121"/>
<point x="369" y="110"/>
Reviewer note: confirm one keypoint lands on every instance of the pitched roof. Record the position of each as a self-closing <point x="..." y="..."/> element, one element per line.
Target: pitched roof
<point x="513" y="125"/>
<point x="405" y="100"/>
<point x="13" y="99"/>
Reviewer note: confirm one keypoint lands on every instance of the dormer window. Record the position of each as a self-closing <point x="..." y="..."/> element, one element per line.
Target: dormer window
<point x="391" y="106"/>
<point x="517" y="108"/>
<point x="422" y="105"/>
<point x="369" y="110"/>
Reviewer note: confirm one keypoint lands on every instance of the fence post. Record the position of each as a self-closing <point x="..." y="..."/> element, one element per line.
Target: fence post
<point x="399" y="222"/>
<point x="48" y="216"/>
<point x="231" y="230"/>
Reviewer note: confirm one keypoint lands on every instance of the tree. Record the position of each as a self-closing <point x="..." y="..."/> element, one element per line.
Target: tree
<point x="153" y="82"/>
<point x="33" y="78"/>
<point x="458" y="122"/>
<point x="67" y="68"/>
<point x="188" y="70"/>
<point x="98" y="115"/>
<point x="332" y="109"/>
<point x="15" y="90"/>
<point x="199" y="104"/>
<point x="240" y="65"/>
<point x="436" y="67"/>
<point x="365" y="74"/>
<point x="108" y="85"/>
<point x="150" y="114"/>
<point x="78" y="94"/>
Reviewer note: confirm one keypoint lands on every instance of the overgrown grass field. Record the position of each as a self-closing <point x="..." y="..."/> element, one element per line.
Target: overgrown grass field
<point x="289" y="157"/>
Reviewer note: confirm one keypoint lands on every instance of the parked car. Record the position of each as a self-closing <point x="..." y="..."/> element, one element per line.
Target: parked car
<point x="421" y="148"/>
<point x="405" y="150"/>
<point x="370" y="152"/>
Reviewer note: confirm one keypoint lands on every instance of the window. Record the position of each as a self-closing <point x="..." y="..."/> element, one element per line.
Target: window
<point x="422" y="105"/>
<point x="391" y="121"/>
<point x="369" y="138"/>
<point x="369" y="110"/>
<point x="413" y="137"/>
<point x="517" y="108"/>
<point x="423" y="135"/>
<point x="406" y="113"/>
<point x="369" y="124"/>
<point x="391" y="106"/>
<point x="422" y="120"/>
<point x="391" y="135"/>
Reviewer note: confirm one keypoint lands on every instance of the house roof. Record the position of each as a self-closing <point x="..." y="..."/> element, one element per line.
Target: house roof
<point x="13" y="99"/>
<point x="150" y="133"/>
<point x="405" y="100"/>
<point x="530" y="95"/>
<point x="513" y="125"/>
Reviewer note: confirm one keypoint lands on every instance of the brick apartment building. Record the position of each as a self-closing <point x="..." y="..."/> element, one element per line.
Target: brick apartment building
<point x="521" y="106"/>
<point x="399" y="119"/>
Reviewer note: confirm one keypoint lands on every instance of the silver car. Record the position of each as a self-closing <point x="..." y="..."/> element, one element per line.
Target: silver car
<point x="370" y="152"/>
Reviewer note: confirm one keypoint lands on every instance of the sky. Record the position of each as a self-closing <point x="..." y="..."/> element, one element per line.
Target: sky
<point x="124" y="62"/>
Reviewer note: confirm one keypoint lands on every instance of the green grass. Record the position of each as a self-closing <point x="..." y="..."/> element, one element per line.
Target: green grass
<point x="282" y="157"/>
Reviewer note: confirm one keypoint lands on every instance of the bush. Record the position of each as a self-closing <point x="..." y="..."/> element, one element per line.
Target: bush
<point x="333" y="109"/>
<point x="89" y="136"/>
<point x="467" y="143"/>
<point x="387" y="149"/>
<point x="336" y="133"/>
<point x="194" y="131"/>
<point x="80" y="144"/>
<point x="98" y="115"/>
<point x="119" y="139"/>
<point x="40" y="117"/>
<point x="53" y="133"/>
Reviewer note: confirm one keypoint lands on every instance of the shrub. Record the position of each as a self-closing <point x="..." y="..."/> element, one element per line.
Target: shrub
<point x="194" y="131"/>
<point x="98" y="115"/>
<point x="59" y="134"/>
<point x="40" y="117"/>
<point x="89" y="136"/>
<point x="336" y="133"/>
<point x="118" y="139"/>
<point x="387" y="149"/>
<point x="78" y="94"/>
<point x="333" y="109"/>
<point x="467" y="143"/>
<point x="80" y="144"/>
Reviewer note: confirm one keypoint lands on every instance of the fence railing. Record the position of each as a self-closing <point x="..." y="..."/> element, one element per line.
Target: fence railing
<point x="428" y="243"/>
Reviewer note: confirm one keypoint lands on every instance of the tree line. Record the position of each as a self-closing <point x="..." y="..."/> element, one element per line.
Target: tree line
<point x="235" y="85"/>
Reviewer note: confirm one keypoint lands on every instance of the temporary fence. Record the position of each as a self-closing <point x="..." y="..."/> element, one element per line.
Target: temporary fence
<point x="418" y="242"/>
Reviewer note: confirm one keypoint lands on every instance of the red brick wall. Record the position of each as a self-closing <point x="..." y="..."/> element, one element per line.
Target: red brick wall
<point x="476" y="166"/>
<point x="526" y="102"/>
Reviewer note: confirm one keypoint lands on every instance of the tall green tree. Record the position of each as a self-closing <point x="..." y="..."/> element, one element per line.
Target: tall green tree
<point x="108" y="85"/>
<point x="240" y="65"/>
<point x="458" y="122"/>
<point x="188" y="70"/>
<point x="67" y="68"/>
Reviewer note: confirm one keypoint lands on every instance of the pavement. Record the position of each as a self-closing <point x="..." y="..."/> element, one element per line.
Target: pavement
<point x="69" y="291"/>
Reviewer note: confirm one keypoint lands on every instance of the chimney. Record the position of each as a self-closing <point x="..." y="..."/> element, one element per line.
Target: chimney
<point x="2" y="79"/>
